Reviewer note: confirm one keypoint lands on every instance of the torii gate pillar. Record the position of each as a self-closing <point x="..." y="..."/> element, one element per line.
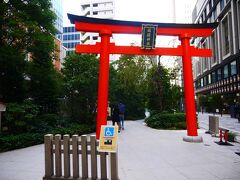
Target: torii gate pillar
<point x="102" y="103"/>
<point x="188" y="89"/>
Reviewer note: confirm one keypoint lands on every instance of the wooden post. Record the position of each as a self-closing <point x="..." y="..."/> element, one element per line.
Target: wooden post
<point x="93" y="157"/>
<point x="113" y="166"/>
<point x="103" y="165"/>
<point x="84" y="156"/>
<point x="75" y="156"/>
<point x="66" y="149"/>
<point x="58" y="156"/>
<point x="48" y="155"/>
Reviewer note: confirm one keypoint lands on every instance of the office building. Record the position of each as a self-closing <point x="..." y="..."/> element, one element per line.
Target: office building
<point x="60" y="50"/>
<point x="219" y="74"/>
<point x="70" y="38"/>
<point x="104" y="9"/>
<point x="57" y="6"/>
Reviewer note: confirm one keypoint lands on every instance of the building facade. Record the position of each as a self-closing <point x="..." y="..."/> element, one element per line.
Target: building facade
<point x="104" y="9"/>
<point x="220" y="74"/>
<point x="70" y="38"/>
<point x="57" y="6"/>
<point x="60" y="50"/>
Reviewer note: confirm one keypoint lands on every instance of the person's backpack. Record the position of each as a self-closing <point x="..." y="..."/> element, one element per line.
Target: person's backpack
<point x="121" y="108"/>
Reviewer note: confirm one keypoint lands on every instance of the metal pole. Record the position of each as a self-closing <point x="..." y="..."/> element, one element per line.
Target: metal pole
<point x="103" y="82"/>
<point x="188" y="87"/>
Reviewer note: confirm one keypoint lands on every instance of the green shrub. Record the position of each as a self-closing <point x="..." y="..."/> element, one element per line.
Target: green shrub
<point x="231" y="136"/>
<point x="73" y="129"/>
<point x="19" y="117"/>
<point x="167" y="121"/>
<point x="11" y="142"/>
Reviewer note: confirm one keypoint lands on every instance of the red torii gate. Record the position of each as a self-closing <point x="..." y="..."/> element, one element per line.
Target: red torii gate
<point x="106" y="28"/>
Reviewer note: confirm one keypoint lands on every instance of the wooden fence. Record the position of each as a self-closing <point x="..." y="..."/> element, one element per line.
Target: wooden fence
<point x="63" y="158"/>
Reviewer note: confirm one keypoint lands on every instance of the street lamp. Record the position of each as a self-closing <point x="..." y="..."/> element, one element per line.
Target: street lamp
<point x="238" y="106"/>
<point x="221" y="105"/>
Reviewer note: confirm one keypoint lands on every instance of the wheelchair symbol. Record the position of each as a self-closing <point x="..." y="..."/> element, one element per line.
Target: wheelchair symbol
<point x="109" y="131"/>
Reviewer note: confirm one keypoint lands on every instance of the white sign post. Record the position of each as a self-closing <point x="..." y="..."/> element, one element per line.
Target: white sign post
<point x="2" y="109"/>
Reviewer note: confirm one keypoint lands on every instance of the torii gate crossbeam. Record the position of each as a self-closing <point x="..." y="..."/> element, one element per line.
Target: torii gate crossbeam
<point x="106" y="28"/>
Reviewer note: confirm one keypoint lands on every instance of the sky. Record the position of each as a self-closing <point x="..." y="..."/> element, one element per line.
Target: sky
<point x="136" y="10"/>
<point x="131" y="10"/>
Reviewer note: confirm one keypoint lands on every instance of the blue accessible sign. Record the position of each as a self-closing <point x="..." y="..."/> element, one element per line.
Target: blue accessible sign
<point x="109" y="132"/>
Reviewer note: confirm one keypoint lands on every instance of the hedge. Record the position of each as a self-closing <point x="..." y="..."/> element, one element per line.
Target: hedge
<point x="167" y="121"/>
<point x="10" y="142"/>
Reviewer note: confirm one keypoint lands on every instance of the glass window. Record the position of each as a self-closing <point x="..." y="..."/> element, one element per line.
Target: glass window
<point x="205" y="81"/>
<point x="68" y="29"/>
<point x="219" y="74"/>
<point x="213" y="77"/>
<point x="210" y="5"/>
<point x="225" y="71"/>
<point x="64" y="37"/>
<point x="77" y="37"/>
<point x="95" y="12"/>
<point x="221" y="4"/>
<point x="214" y="14"/>
<point x="213" y="44"/>
<point x="233" y="66"/>
<point x="95" y="5"/>
<point x="65" y="45"/>
<point x="225" y="35"/>
<point x="202" y="82"/>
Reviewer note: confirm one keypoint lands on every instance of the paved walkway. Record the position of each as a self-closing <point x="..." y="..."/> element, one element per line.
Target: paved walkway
<point x="144" y="154"/>
<point x="225" y="121"/>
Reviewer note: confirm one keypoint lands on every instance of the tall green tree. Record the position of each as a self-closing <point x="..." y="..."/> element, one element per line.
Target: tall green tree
<point x="12" y="68"/>
<point x="128" y="84"/>
<point x="27" y="29"/>
<point x="80" y="81"/>
<point x="162" y="95"/>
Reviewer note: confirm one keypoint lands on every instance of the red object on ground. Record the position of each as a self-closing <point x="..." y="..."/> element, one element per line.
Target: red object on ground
<point x="107" y="27"/>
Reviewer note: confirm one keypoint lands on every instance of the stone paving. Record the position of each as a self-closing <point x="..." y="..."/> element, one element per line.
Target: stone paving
<point x="225" y="121"/>
<point x="144" y="154"/>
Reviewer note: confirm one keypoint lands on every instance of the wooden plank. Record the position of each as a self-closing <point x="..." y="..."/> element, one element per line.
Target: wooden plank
<point x="75" y="156"/>
<point x="66" y="148"/>
<point x="113" y="166"/>
<point x="84" y="157"/>
<point x="103" y="162"/>
<point x="48" y="155"/>
<point x="58" y="156"/>
<point x="93" y="157"/>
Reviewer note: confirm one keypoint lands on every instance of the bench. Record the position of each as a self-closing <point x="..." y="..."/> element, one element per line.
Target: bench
<point x="223" y="134"/>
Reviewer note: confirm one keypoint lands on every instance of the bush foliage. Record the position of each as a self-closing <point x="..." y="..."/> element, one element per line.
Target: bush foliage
<point x="10" y="142"/>
<point x="167" y="121"/>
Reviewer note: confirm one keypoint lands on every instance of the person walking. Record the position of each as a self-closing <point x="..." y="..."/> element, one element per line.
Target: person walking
<point x="115" y="116"/>
<point x="121" y="108"/>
